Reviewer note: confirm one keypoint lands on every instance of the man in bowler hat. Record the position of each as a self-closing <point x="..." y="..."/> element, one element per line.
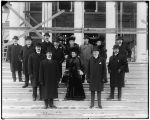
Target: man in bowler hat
<point x="46" y="44"/>
<point x="49" y="78"/>
<point x="33" y="68"/>
<point x="95" y="76"/>
<point x="27" y="50"/>
<point x="116" y="67"/>
<point x="58" y="55"/>
<point x="14" y="59"/>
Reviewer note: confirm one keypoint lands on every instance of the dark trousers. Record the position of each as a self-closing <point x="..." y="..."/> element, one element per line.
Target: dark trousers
<point x="48" y="101"/>
<point x="35" y="92"/>
<point x="98" y="98"/>
<point x="119" y="92"/>
<point x="19" y="75"/>
<point x="26" y="79"/>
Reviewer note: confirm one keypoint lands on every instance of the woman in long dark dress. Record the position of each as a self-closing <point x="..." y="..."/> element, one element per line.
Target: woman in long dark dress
<point x="75" y="89"/>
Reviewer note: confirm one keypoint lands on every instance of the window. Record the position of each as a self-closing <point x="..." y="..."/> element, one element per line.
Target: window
<point x="127" y="14"/>
<point x="65" y="5"/>
<point x="67" y="18"/>
<point x="95" y="19"/>
<point x="90" y="6"/>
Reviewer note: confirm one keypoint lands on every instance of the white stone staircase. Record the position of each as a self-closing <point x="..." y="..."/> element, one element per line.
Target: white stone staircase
<point x="17" y="101"/>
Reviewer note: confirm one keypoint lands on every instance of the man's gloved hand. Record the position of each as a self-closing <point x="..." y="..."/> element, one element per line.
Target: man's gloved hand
<point x="119" y="70"/>
<point x="88" y="81"/>
<point x="105" y="80"/>
<point x="80" y="72"/>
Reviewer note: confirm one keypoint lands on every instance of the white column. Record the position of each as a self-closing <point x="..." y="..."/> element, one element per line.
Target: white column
<point x="14" y="20"/>
<point x="79" y="20"/>
<point x="110" y="23"/>
<point x="46" y="13"/>
<point x="22" y="14"/>
<point x="141" y="38"/>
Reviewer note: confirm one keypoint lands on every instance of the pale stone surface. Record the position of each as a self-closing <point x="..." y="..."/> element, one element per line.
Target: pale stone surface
<point x="47" y="13"/>
<point x="110" y="23"/>
<point x="79" y="21"/>
<point x="141" y="38"/>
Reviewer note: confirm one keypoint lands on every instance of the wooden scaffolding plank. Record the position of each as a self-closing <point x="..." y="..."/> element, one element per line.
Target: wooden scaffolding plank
<point x="26" y="22"/>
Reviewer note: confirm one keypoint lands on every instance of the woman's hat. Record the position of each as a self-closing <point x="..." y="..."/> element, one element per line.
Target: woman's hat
<point x="116" y="47"/>
<point x="71" y="38"/>
<point x="100" y="38"/>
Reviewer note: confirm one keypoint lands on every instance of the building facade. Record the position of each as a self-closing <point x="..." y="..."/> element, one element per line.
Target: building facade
<point x="93" y="18"/>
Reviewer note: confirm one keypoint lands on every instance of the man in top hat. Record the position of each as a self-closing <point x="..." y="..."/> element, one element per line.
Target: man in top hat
<point x="49" y="77"/>
<point x="116" y="67"/>
<point x="58" y="55"/>
<point x="27" y="50"/>
<point x="71" y="46"/>
<point x="95" y="76"/>
<point x="123" y="48"/>
<point x="33" y="68"/>
<point x="85" y="53"/>
<point x="13" y="57"/>
<point x="46" y="44"/>
<point x="101" y="47"/>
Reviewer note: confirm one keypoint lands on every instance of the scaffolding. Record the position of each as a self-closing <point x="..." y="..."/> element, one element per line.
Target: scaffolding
<point x="29" y="28"/>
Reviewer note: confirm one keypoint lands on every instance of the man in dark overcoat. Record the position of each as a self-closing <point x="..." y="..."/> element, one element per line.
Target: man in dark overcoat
<point x="95" y="76"/>
<point x="116" y="67"/>
<point x="58" y="55"/>
<point x="123" y="47"/>
<point x="33" y="66"/>
<point x="46" y="44"/>
<point x="124" y="50"/>
<point x="27" y="50"/>
<point x="102" y="51"/>
<point x="13" y="57"/>
<point x="49" y="78"/>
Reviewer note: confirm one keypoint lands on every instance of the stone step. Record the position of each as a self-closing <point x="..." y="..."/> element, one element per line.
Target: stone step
<point x="138" y="70"/>
<point x="127" y="98"/>
<point x="128" y="75"/>
<point x="131" y="90"/>
<point x="71" y="114"/>
<point x="78" y="104"/>
<point x="77" y="111"/>
<point x="22" y="93"/>
<point x="29" y="102"/>
<point x="85" y="85"/>
<point x="127" y="82"/>
<point x="62" y="95"/>
<point x="63" y="65"/>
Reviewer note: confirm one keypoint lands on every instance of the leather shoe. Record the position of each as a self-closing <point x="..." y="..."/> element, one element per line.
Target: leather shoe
<point x="119" y="99"/>
<point x="100" y="106"/>
<point x="53" y="106"/>
<point x="45" y="107"/>
<point x="34" y="98"/>
<point x="24" y="86"/>
<point x="91" y="106"/>
<point x="20" y="80"/>
<point x="110" y="98"/>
